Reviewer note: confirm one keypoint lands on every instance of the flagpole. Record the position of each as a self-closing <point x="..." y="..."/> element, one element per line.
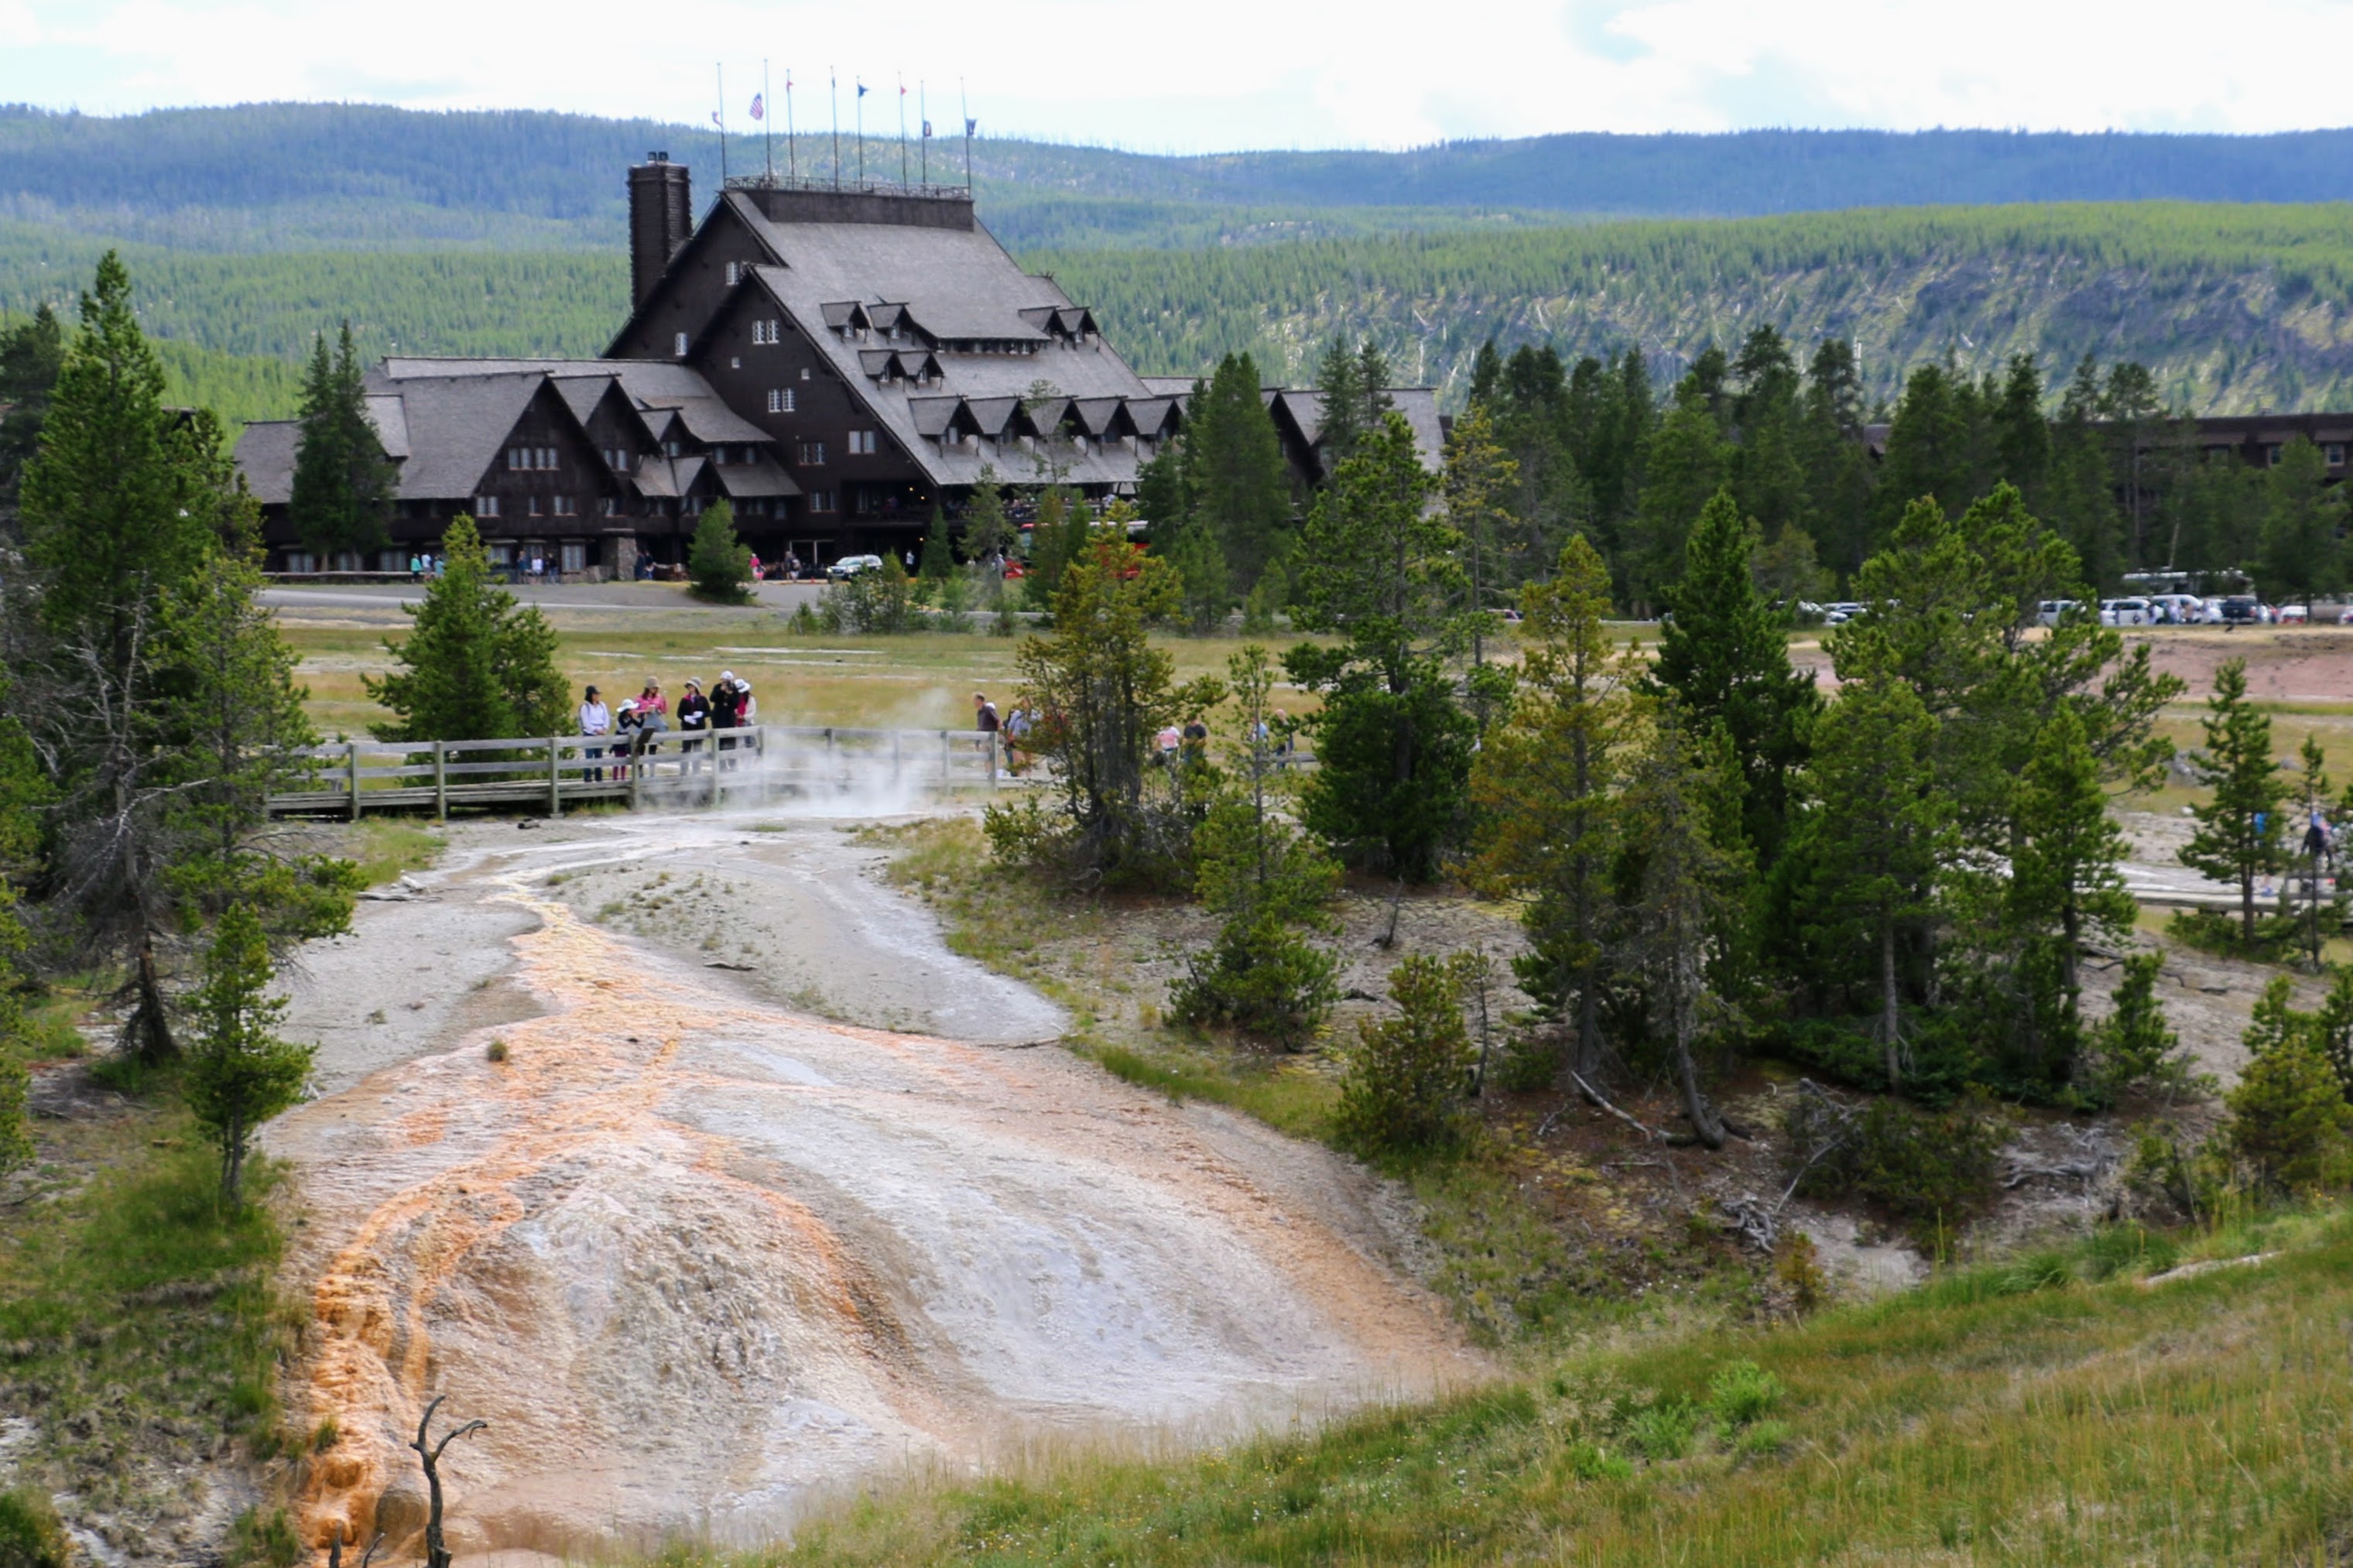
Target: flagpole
<point x="767" y="123"/>
<point x="722" y="119"/>
<point x="924" y="107"/>
<point x="792" y="150"/>
<point x="964" y="104"/>
<point x="903" y="128"/>
<point x="858" y="103"/>
<point x="833" y="86"/>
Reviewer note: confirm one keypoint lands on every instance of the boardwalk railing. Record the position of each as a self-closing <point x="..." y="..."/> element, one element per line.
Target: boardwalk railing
<point x="677" y="767"/>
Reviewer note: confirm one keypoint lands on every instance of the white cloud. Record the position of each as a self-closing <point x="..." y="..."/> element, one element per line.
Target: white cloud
<point x="1216" y="74"/>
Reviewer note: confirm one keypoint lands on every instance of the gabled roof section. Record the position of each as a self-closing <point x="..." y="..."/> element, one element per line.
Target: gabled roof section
<point x="391" y="422"/>
<point x="266" y="450"/>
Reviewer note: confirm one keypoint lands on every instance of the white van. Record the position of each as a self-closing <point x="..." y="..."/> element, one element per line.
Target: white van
<point x="2125" y="613"/>
<point x="2050" y="611"/>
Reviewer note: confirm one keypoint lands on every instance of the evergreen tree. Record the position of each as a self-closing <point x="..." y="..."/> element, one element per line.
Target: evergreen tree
<point x="477" y="665"/>
<point x="2063" y="888"/>
<point x="718" y="563"/>
<point x="2080" y="488"/>
<point x="1838" y="473"/>
<point x="342" y="482"/>
<point x="2239" y="835"/>
<point x="2289" y="1121"/>
<point x="1931" y="444"/>
<point x="2021" y="435"/>
<point x="1877" y="837"/>
<point x="1383" y="569"/>
<point x="119" y="505"/>
<point x="240" y="727"/>
<point x="1544" y="784"/>
<point x="939" y="558"/>
<point x="987" y="532"/>
<point x="1686" y="464"/>
<point x="1235" y="483"/>
<point x="1486" y="375"/>
<point x="1406" y="1080"/>
<point x="1479" y="477"/>
<point x="2133" y="1046"/>
<point x="1683" y="816"/>
<point x="1355" y="384"/>
<point x="31" y="356"/>
<point x="240" y="1073"/>
<point x="1207" y="586"/>
<point x="1768" y="470"/>
<point x="1269" y="882"/>
<point x="2303" y="551"/>
<point x="1725" y="656"/>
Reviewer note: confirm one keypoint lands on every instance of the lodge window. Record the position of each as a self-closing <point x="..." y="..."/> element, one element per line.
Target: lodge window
<point x="486" y="506"/>
<point x="805" y="372"/>
<point x="2335" y="454"/>
<point x="670" y="448"/>
<point x="820" y="501"/>
<point x="767" y="332"/>
<point x="780" y="400"/>
<point x="719" y="456"/>
<point x="564" y="507"/>
<point x="533" y="504"/>
<point x="678" y="345"/>
<point x="862" y="443"/>
<point x="610" y="507"/>
<point x="575" y="557"/>
<point x="812" y="453"/>
<point x="2272" y="456"/>
<point x="733" y="272"/>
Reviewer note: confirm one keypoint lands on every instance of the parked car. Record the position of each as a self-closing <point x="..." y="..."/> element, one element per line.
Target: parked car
<point x="2238" y="608"/>
<point x="1838" y="614"/>
<point x="2178" y="609"/>
<point x="2295" y="614"/>
<point x="2050" y="612"/>
<point x="2125" y="613"/>
<point x="851" y="565"/>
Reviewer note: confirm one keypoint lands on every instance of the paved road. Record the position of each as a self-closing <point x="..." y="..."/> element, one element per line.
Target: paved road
<point x="783" y="597"/>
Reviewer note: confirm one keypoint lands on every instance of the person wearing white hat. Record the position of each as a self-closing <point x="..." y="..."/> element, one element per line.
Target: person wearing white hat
<point x="727" y="706"/>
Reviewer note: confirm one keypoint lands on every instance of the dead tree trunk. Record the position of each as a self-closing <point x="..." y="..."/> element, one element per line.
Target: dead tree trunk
<point x="148" y="1033"/>
<point x="437" y="1552"/>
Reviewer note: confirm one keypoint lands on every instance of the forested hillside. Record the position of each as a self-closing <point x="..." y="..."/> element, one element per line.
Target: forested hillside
<point x="2234" y="308"/>
<point x="257" y="175"/>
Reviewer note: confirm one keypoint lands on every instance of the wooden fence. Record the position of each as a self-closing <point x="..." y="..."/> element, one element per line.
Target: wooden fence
<point x="676" y="769"/>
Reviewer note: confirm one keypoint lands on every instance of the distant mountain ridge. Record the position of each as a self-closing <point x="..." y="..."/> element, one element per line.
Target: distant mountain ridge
<point x="278" y="175"/>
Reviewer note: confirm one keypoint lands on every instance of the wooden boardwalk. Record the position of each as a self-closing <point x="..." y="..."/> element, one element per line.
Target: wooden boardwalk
<point x="549" y="772"/>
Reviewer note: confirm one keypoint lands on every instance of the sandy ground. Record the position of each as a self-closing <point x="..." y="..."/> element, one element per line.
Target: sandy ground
<point x="699" y="1256"/>
<point x="2284" y="663"/>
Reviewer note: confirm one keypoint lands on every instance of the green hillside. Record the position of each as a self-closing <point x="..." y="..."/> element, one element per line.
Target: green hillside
<point x="2062" y="1410"/>
<point x="2235" y="307"/>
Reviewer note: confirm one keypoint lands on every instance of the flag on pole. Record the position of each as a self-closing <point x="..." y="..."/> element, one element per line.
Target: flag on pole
<point x="971" y="126"/>
<point x="861" y="90"/>
<point x="927" y="128"/>
<point x="716" y="121"/>
<point x="759" y="106"/>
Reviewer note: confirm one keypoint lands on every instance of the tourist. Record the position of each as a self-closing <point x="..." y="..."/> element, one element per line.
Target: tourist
<point x="1164" y="745"/>
<point x="984" y="719"/>
<point x="1196" y="742"/>
<point x="693" y="715"/>
<point x="596" y="721"/>
<point x="1016" y="739"/>
<point x="652" y="701"/>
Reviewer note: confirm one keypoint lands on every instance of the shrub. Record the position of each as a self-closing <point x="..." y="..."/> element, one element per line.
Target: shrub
<point x="1741" y="1392"/>
<point x="719" y="564"/>
<point x="2132" y="1047"/>
<point x="1662" y="1431"/>
<point x="263" y="1539"/>
<point x="1762" y="1441"/>
<point x="2289" y="1124"/>
<point x="1406" y="1077"/>
<point x="2215" y="931"/>
<point x="31" y="1536"/>
<point x="1798" y="1265"/>
<point x="1262" y="977"/>
<point x="1925" y="1169"/>
<point x="877" y="602"/>
<point x="495" y="1051"/>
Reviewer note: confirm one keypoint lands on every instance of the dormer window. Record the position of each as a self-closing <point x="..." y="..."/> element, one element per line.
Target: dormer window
<point x="735" y="273"/>
<point x="678" y="345"/>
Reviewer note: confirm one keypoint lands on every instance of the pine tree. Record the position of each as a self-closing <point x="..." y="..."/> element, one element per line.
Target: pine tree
<point x="1683" y="812"/>
<point x="987" y="532"/>
<point x="477" y="665"/>
<point x="31" y="356"/>
<point x="1478" y="481"/>
<point x="718" y="563"/>
<point x="240" y="1073"/>
<point x="1200" y="562"/>
<point x="1544" y="785"/>
<point x="1725" y="656"/>
<point x="1878" y="834"/>
<point x="1393" y="745"/>
<point x="1685" y="465"/>
<point x="2063" y="888"/>
<point x="939" y="558"/>
<point x="2302" y="550"/>
<point x="2289" y="1121"/>
<point x="1355" y="384"/>
<point x="342" y="482"/>
<point x="1236" y="485"/>
<point x="2133" y="1046"/>
<point x="2239" y="835"/>
<point x="1406" y="1080"/>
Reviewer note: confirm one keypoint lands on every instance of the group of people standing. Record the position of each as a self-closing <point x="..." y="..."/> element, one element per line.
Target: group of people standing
<point x="635" y="728"/>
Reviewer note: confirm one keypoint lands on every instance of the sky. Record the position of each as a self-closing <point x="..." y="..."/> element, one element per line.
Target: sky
<point x="1224" y="75"/>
